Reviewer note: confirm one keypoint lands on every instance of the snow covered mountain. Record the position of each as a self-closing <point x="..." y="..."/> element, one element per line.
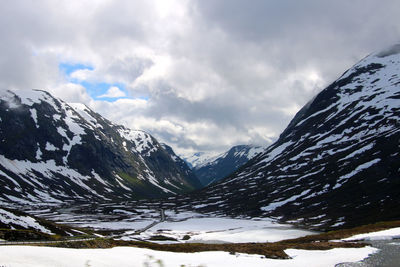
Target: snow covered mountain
<point x="199" y="158"/>
<point x="51" y="151"/>
<point x="337" y="163"/>
<point x="217" y="168"/>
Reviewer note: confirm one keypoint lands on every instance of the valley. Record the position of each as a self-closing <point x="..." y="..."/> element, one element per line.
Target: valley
<point x="327" y="188"/>
<point x="125" y="221"/>
<point x="118" y="225"/>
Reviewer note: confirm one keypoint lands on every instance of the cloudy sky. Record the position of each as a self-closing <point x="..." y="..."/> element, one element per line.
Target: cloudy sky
<point x="200" y="75"/>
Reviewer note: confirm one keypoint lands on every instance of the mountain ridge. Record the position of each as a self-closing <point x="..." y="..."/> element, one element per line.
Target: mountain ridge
<point x="52" y="151"/>
<point x="218" y="167"/>
<point x="335" y="165"/>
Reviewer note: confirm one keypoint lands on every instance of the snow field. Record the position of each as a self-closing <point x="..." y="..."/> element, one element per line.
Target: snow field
<point x="388" y="234"/>
<point x="225" y="230"/>
<point x="25" y="256"/>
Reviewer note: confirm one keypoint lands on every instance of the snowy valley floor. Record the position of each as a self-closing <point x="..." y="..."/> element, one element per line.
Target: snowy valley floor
<point x="24" y="256"/>
<point x="18" y="256"/>
<point x="182" y="231"/>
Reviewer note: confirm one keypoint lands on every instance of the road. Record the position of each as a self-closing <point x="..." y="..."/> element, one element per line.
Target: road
<point x="11" y="243"/>
<point x="162" y="219"/>
<point x="162" y="213"/>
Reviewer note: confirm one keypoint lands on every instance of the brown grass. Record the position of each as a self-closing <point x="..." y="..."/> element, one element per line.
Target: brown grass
<point x="344" y="233"/>
<point x="18" y="234"/>
<point x="269" y="250"/>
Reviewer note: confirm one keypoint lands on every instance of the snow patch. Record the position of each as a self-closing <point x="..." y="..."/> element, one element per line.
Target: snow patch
<point x="274" y="205"/>
<point x="276" y="151"/>
<point x="199" y="159"/>
<point x="39" y="154"/>
<point x="393" y="233"/>
<point x="34" y="116"/>
<point x="21" y="256"/>
<point x="360" y="168"/>
<point x="142" y="141"/>
<point x="26" y="222"/>
<point x="50" y="147"/>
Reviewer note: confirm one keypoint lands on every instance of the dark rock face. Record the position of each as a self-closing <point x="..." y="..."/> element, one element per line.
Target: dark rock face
<point x="336" y="164"/>
<point x="183" y="167"/>
<point x="51" y="151"/>
<point x="220" y="167"/>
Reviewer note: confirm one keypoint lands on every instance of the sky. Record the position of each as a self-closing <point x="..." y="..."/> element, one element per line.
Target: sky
<point x="199" y="75"/>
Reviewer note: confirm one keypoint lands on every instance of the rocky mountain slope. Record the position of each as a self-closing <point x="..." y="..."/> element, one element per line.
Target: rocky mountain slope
<point x="217" y="168"/>
<point x="51" y="151"/>
<point x="13" y="221"/>
<point x="190" y="175"/>
<point x="336" y="164"/>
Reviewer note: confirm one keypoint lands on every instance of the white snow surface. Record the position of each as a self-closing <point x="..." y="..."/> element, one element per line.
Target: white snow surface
<point x="50" y="147"/>
<point x="34" y="116"/>
<point x="38" y="154"/>
<point x="393" y="233"/>
<point x="274" y="205"/>
<point x="83" y="111"/>
<point x="142" y="140"/>
<point x="229" y="230"/>
<point x="277" y="151"/>
<point x="30" y="97"/>
<point x="25" y="256"/>
<point x="254" y="151"/>
<point x="200" y="158"/>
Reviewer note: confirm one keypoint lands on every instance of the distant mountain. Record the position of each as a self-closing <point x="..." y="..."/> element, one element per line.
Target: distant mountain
<point x="199" y="158"/>
<point x="51" y="151"/>
<point x="216" y="168"/>
<point x="337" y="164"/>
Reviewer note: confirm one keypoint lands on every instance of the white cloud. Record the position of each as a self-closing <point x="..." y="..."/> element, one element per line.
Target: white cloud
<point x="82" y="75"/>
<point x="71" y="93"/>
<point x="113" y="92"/>
<point x="205" y="75"/>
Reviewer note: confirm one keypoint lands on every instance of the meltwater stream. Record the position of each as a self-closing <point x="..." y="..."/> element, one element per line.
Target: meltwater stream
<point x="387" y="256"/>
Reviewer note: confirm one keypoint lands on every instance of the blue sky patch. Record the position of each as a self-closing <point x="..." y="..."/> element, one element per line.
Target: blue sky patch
<point x="94" y="89"/>
<point x="68" y="68"/>
<point x="98" y="89"/>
